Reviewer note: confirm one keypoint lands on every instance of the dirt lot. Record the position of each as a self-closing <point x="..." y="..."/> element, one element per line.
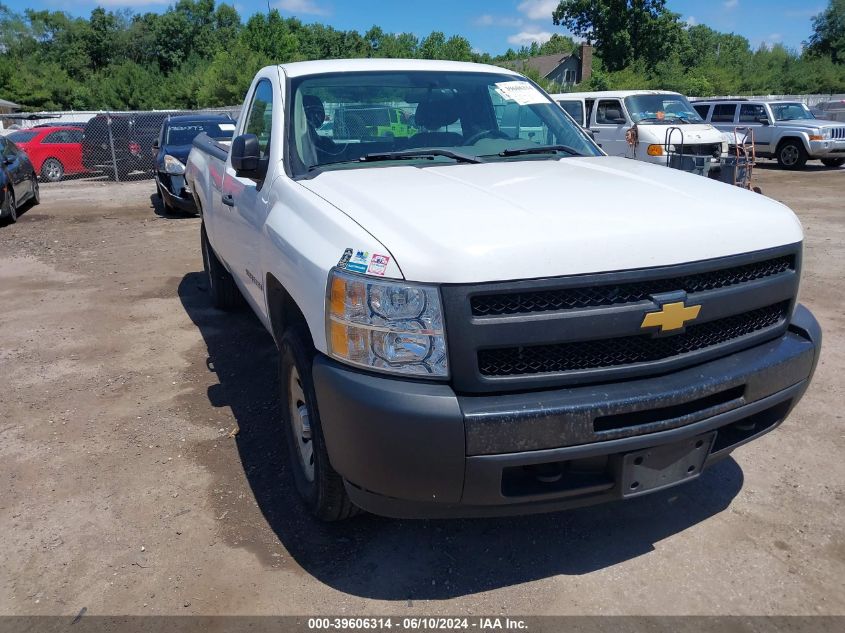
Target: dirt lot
<point x="122" y="491"/>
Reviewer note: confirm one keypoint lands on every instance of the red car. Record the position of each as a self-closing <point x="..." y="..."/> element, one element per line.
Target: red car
<point x="55" y="151"/>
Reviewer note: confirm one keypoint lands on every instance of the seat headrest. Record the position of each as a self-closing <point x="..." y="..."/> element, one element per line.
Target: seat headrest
<point x="435" y="113"/>
<point x="315" y="111"/>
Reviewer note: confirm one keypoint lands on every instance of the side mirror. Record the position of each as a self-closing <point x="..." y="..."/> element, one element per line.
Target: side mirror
<point x="589" y="133"/>
<point x="763" y="120"/>
<point x="8" y="160"/>
<point x="156" y="146"/>
<point x="246" y="155"/>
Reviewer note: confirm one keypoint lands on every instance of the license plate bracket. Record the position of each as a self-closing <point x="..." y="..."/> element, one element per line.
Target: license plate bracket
<point x="664" y="466"/>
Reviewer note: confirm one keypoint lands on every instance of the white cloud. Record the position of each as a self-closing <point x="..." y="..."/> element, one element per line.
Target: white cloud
<point x="691" y="21"/>
<point x="527" y="37"/>
<point x="774" y="38"/>
<point x="497" y="20"/>
<point x="538" y="9"/>
<point x="730" y="4"/>
<point x="309" y="7"/>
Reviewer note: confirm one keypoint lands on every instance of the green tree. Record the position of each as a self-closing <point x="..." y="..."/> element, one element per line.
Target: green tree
<point x="622" y="30"/>
<point x="828" y="37"/>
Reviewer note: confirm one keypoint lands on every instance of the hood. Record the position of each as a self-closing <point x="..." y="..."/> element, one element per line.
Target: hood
<point x="693" y="133"/>
<point x="178" y="151"/>
<point x="810" y="124"/>
<point x="531" y="219"/>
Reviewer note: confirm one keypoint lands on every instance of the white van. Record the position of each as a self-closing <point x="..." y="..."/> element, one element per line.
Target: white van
<point x="666" y="128"/>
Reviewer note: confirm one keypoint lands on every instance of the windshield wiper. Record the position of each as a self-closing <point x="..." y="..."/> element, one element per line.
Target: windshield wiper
<point x="540" y="149"/>
<point x="421" y="153"/>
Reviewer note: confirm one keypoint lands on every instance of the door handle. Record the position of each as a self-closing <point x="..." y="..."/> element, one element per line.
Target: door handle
<point x="594" y="131"/>
<point x="228" y="199"/>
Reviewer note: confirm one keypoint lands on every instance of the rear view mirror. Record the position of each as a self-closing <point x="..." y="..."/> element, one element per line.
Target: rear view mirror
<point x="246" y="155"/>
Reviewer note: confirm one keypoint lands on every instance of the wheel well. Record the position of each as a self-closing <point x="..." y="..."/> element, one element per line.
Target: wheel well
<point x="282" y="308"/>
<point x="786" y="139"/>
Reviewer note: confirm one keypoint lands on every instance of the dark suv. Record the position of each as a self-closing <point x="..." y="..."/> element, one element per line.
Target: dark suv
<point x="120" y="144"/>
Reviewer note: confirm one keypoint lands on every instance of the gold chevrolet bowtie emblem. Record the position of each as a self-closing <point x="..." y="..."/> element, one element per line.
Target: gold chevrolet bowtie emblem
<point x="672" y="316"/>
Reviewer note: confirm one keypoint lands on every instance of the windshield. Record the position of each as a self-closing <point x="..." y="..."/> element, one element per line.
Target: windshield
<point x="184" y="133"/>
<point x="661" y="109"/>
<point x="22" y="137"/>
<point x="360" y="120"/>
<point x="790" y="111"/>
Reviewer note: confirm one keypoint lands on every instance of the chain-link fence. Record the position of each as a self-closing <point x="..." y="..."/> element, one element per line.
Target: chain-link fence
<point x="116" y="146"/>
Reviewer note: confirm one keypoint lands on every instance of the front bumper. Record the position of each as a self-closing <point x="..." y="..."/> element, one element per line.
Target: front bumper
<point x="827" y="149"/>
<point x="175" y="192"/>
<point x="417" y="449"/>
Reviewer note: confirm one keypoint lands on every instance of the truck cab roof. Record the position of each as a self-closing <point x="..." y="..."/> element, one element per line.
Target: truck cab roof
<point x="325" y="66"/>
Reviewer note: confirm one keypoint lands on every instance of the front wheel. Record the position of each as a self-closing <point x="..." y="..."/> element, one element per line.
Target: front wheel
<point x="792" y="155"/>
<point x="833" y="162"/>
<point x="52" y="170"/>
<point x="11" y="207"/>
<point x="319" y="485"/>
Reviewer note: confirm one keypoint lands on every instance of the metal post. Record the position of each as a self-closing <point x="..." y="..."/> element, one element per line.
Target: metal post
<point x="111" y="144"/>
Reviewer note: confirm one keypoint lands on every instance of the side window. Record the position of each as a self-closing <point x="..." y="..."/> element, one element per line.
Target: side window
<point x="609" y="112"/>
<point x="751" y="113"/>
<point x="702" y="110"/>
<point x="260" y="116"/>
<point x="75" y="136"/>
<point x="56" y="137"/>
<point x="723" y="113"/>
<point x="574" y="109"/>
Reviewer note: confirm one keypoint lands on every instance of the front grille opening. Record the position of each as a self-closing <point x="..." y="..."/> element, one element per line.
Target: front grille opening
<point x="563" y="357"/>
<point x="576" y="477"/>
<point x="739" y="431"/>
<point x="665" y="414"/>
<point x="617" y="294"/>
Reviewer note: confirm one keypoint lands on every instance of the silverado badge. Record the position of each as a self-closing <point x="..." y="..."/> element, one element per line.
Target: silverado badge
<point x="671" y="316"/>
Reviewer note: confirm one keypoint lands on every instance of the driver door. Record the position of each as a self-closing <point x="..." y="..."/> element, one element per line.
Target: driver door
<point x="750" y="115"/>
<point x="248" y="200"/>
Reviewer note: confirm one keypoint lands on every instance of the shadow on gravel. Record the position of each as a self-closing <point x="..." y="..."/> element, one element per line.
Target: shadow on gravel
<point x="388" y="559"/>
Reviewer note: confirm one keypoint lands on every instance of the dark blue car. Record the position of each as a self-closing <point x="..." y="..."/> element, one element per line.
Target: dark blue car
<point x="171" y="151"/>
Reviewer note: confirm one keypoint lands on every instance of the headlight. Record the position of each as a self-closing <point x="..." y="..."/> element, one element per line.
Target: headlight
<point x="173" y="165"/>
<point x="827" y="133"/>
<point x="390" y="326"/>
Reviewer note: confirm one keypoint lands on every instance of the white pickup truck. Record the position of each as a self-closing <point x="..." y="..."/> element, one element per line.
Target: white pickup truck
<point x="474" y="323"/>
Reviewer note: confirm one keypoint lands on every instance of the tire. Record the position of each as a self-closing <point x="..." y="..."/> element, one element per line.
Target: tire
<point x="319" y="485"/>
<point x="36" y="191"/>
<point x="221" y="286"/>
<point x="833" y="162"/>
<point x="52" y="170"/>
<point x="792" y="155"/>
<point x="166" y="208"/>
<point x="11" y="207"/>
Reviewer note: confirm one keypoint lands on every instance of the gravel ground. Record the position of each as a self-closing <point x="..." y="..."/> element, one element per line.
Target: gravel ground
<point x="123" y="489"/>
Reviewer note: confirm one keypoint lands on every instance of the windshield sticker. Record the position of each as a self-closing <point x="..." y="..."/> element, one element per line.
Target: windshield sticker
<point x="227" y="127"/>
<point x="344" y="259"/>
<point x="358" y="263"/>
<point x="522" y="92"/>
<point x="378" y="264"/>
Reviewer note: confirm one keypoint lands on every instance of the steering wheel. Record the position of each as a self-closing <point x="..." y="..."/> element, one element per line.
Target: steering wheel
<point x="472" y="140"/>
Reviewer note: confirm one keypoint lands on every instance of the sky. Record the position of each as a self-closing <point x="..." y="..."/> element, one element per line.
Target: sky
<point x="494" y="25"/>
